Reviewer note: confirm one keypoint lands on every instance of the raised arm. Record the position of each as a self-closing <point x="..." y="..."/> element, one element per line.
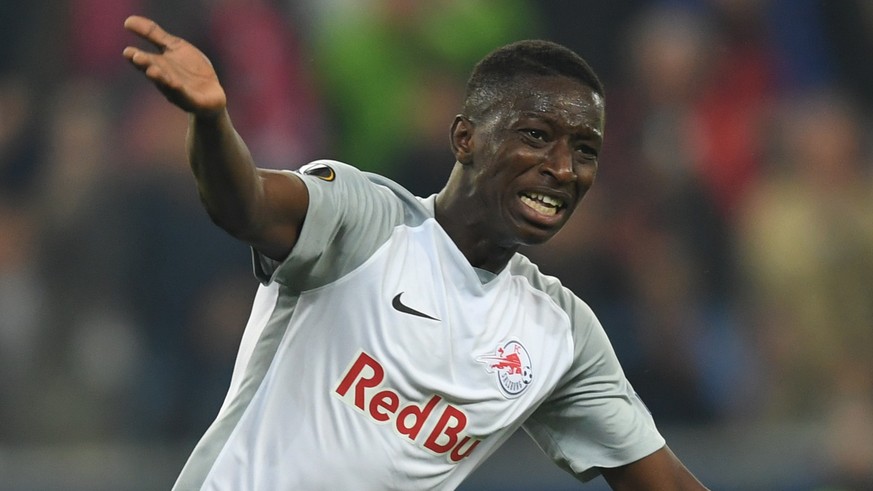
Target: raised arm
<point x="660" y="471"/>
<point x="261" y="207"/>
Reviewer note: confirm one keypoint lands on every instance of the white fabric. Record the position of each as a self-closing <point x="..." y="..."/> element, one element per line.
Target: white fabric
<point x="339" y="386"/>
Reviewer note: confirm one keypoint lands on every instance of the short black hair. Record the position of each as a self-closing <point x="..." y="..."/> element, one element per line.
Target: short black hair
<point x="498" y="70"/>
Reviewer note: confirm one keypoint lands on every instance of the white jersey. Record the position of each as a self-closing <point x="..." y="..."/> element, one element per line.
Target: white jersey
<point x="377" y="358"/>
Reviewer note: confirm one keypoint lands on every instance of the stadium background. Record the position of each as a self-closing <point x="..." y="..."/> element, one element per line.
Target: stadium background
<point x="727" y="246"/>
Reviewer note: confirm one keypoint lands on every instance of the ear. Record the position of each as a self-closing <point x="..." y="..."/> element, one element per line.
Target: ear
<point x="462" y="139"/>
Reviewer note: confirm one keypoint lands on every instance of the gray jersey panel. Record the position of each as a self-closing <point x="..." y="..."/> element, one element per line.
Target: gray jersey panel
<point x="594" y="418"/>
<point x="344" y="226"/>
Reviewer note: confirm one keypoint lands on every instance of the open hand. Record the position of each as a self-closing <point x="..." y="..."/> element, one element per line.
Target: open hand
<point x="179" y="70"/>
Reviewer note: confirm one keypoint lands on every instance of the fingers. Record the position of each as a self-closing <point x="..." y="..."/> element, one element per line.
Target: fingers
<point x="137" y="57"/>
<point x="148" y="64"/>
<point x="150" y="31"/>
<point x="144" y="61"/>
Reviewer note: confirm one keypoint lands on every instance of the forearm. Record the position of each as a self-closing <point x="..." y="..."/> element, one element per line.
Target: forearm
<point x="661" y="470"/>
<point x="227" y="179"/>
<point x="263" y="208"/>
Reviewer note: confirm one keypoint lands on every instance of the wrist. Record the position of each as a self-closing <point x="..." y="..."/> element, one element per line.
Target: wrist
<point x="209" y="118"/>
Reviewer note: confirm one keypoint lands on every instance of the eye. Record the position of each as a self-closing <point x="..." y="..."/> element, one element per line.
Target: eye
<point x="588" y="152"/>
<point x="535" y="134"/>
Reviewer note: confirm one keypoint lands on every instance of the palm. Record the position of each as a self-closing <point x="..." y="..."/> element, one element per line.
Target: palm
<point x="180" y="70"/>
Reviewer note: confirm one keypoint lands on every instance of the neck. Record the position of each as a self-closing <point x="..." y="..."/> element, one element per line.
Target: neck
<point x="466" y="229"/>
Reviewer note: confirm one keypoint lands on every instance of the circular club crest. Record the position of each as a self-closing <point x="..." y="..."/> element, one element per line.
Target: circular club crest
<point x="512" y="365"/>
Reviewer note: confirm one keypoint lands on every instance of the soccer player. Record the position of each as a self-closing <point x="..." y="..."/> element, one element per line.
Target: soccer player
<point x="395" y="341"/>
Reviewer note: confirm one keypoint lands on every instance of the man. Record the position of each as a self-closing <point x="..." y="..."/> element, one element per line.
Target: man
<point x="396" y="341"/>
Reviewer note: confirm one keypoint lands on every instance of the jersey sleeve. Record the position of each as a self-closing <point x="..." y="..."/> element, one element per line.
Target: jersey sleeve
<point x="594" y="418"/>
<point x="348" y="218"/>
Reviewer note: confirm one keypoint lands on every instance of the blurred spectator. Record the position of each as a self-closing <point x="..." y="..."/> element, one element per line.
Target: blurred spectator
<point x="652" y="156"/>
<point x="165" y="227"/>
<point x="734" y="100"/>
<point x="88" y="353"/>
<point x="21" y="318"/>
<point x="19" y="139"/>
<point x="807" y="255"/>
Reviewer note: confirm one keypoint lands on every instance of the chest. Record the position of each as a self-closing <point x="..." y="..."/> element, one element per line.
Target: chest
<point x="415" y="321"/>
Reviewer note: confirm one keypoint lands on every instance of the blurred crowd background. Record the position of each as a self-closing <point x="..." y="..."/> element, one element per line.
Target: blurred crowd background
<point x="727" y="246"/>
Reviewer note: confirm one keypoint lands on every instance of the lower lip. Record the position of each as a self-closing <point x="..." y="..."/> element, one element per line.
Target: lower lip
<point x="540" y="219"/>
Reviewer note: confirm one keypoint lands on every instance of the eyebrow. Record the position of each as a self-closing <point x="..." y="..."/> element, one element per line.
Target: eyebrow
<point x="587" y="131"/>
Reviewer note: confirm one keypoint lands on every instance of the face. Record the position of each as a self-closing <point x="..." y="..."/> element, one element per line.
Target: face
<point x="533" y="158"/>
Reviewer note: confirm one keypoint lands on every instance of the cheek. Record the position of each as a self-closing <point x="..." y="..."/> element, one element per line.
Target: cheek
<point x="521" y="160"/>
<point x="587" y="176"/>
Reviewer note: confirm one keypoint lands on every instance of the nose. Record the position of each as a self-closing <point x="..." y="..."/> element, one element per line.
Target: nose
<point x="559" y="163"/>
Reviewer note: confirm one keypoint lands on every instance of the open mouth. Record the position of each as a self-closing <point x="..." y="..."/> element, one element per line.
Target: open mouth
<point x="543" y="204"/>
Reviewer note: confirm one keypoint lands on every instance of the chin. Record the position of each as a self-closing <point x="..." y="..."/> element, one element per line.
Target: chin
<point x="532" y="239"/>
<point x="522" y="232"/>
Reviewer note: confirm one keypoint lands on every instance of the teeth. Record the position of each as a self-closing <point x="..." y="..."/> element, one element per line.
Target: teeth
<point x="550" y="209"/>
<point x="547" y="199"/>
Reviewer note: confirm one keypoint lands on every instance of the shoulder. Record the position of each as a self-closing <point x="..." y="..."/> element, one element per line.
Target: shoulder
<point x="350" y="215"/>
<point x="332" y="172"/>
<point x="563" y="297"/>
<point x="349" y="182"/>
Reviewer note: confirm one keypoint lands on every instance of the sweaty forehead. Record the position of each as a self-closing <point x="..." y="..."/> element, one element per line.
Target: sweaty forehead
<point x="562" y="99"/>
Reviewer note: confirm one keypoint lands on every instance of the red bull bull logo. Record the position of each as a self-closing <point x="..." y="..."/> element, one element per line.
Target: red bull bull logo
<point x="512" y="365"/>
<point x="362" y="388"/>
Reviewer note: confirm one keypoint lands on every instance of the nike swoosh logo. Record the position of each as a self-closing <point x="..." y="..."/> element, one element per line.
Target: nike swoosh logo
<point x="398" y="305"/>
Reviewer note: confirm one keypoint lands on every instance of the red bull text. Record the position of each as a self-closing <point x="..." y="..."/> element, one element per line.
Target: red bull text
<point x="361" y="387"/>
